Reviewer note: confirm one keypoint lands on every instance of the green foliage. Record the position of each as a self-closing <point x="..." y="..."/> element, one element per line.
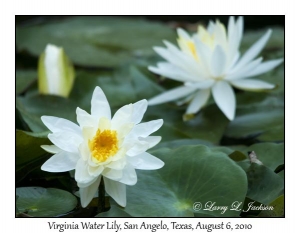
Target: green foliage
<point x="41" y="202"/>
<point x="96" y="41"/>
<point x="191" y="174"/>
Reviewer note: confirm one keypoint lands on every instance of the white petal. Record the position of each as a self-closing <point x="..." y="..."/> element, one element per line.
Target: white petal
<point x="84" y="119"/>
<point x="244" y="71"/>
<point x="116" y="190"/>
<point x="87" y="194"/>
<point x="145" y="161"/>
<point x="201" y="84"/>
<point x="56" y="124"/>
<point x="129" y="175"/>
<point x="225" y="99"/>
<point x="151" y="140"/>
<point x="145" y="129"/>
<point x="251" y="84"/>
<point x="67" y="141"/>
<point x="254" y="50"/>
<point x="198" y="101"/>
<point x="184" y="61"/>
<point x="174" y="72"/>
<point x="173" y="94"/>
<point x="122" y="116"/>
<point x="51" y="149"/>
<point x="112" y="174"/>
<point x="265" y="67"/>
<point x="139" y="109"/>
<point x="61" y="162"/>
<point x="95" y="170"/>
<point x="81" y="172"/>
<point x="182" y="33"/>
<point x="100" y="105"/>
<point x="138" y="148"/>
<point x="117" y="165"/>
<point x="218" y="62"/>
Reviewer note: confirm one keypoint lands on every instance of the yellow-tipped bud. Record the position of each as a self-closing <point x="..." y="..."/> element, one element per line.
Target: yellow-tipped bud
<point x="55" y="72"/>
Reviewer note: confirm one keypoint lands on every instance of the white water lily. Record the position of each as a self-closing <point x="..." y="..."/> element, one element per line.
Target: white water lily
<point x="55" y="72"/>
<point x="210" y="62"/>
<point x="102" y="146"/>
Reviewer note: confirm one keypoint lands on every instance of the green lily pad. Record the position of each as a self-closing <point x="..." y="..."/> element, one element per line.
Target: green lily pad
<point x="278" y="211"/>
<point x="28" y="148"/>
<point x="258" y="120"/>
<point x="270" y="154"/>
<point x="191" y="174"/>
<point x="123" y="86"/>
<point x="24" y="78"/>
<point x="209" y="125"/>
<point x="41" y="202"/>
<point x="96" y="41"/>
<point x="263" y="184"/>
<point x="32" y="107"/>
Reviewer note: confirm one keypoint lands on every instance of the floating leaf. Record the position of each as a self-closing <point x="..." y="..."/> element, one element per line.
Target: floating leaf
<point x="24" y="78"/>
<point x="278" y="211"/>
<point x="96" y="41"/>
<point x="263" y="184"/>
<point x="32" y="107"/>
<point x="259" y="119"/>
<point x="41" y="202"/>
<point x="28" y="148"/>
<point x="270" y="154"/>
<point x="191" y="174"/>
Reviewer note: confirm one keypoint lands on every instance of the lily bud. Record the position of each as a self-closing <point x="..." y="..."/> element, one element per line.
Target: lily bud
<point x="55" y="72"/>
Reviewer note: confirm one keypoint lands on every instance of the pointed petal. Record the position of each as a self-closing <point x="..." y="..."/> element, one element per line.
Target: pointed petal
<point x="173" y="94"/>
<point x="61" y="162"/>
<point x="254" y="50"/>
<point x="198" y="101"/>
<point x="265" y="67"/>
<point x="145" y="129"/>
<point x="67" y="141"/>
<point x="201" y="84"/>
<point x="84" y="119"/>
<point x="87" y="193"/>
<point x="251" y="84"/>
<point x="116" y="190"/>
<point x="112" y="174"/>
<point x="100" y="105"/>
<point x="151" y="140"/>
<point x="129" y="176"/>
<point x="95" y="170"/>
<point x="173" y="72"/>
<point x="56" y="124"/>
<point x="81" y="172"/>
<point x="138" y="148"/>
<point x="51" y="149"/>
<point x="145" y="161"/>
<point x="122" y="116"/>
<point x="139" y="109"/>
<point x="182" y="33"/>
<point x="244" y="71"/>
<point x="218" y="62"/>
<point x="225" y="99"/>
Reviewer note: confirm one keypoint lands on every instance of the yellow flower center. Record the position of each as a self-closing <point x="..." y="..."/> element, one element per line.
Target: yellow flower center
<point x="104" y="144"/>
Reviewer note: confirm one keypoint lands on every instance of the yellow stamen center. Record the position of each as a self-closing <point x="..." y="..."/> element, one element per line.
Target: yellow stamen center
<point x="104" y="144"/>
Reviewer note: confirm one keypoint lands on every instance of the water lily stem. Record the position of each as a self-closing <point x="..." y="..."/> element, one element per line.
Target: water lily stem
<point x="101" y="196"/>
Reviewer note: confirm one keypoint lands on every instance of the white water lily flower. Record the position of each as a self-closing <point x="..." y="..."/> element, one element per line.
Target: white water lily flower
<point x="55" y="72"/>
<point x="102" y="146"/>
<point x="210" y="62"/>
